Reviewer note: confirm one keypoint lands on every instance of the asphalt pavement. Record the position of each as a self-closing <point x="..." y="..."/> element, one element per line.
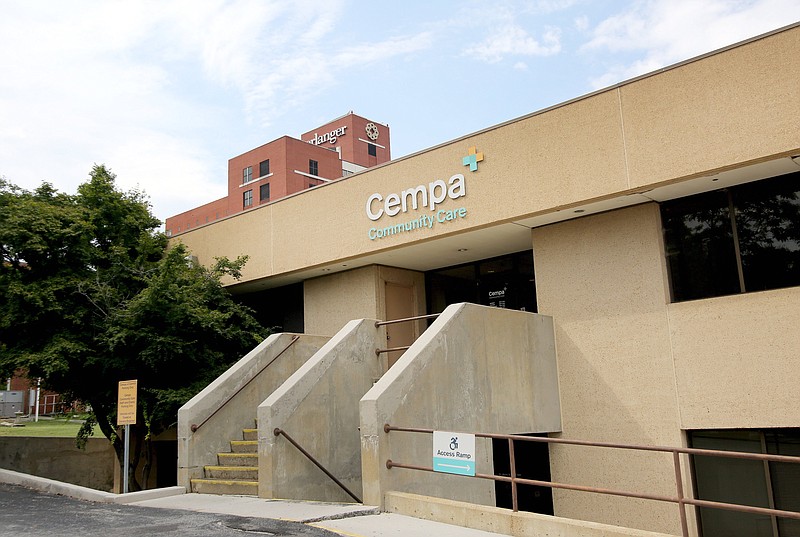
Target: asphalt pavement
<point x="29" y="513"/>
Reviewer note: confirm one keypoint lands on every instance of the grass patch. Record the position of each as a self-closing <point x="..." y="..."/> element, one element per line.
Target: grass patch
<point x="58" y="427"/>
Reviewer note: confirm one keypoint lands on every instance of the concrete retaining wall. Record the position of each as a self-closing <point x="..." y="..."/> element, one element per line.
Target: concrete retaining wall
<point x="61" y="460"/>
<point x="476" y="368"/>
<point x="284" y="353"/>
<point x="318" y="406"/>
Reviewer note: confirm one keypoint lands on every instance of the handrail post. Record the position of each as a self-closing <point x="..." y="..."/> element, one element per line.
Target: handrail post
<point x="676" y="461"/>
<point x="513" y="467"/>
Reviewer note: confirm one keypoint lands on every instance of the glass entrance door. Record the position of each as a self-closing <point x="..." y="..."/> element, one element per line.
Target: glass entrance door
<point x="502" y="282"/>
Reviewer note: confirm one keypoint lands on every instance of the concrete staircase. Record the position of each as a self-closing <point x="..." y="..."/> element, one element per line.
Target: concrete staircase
<point x="236" y="472"/>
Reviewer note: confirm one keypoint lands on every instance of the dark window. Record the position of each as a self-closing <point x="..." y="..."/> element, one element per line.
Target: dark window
<point x="699" y="246"/>
<point x="531" y="461"/>
<point x="247" y="199"/>
<point x="313" y="167"/>
<point x="263" y="168"/>
<point x="247" y="174"/>
<point x="747" y="482"/>
<point x="745" y="238"/>
<point x="372" y="149"/>
<point x="263" y="192"/>
<point x="768" y="227"/>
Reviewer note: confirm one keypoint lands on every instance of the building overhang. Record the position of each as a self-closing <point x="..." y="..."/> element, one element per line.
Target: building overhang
<point x="515" y="235"/>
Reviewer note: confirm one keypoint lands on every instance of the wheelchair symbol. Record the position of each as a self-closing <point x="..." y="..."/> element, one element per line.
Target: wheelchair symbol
<point x="454" y="443"/>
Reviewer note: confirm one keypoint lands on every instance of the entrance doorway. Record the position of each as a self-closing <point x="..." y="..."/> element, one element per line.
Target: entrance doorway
<point x="503" y="282"/>
<point x="399" y="305"/>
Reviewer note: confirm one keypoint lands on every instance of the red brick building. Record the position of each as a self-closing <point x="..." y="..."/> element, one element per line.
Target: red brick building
<point x="19" y="395"/>
<point x="287" y="165"/>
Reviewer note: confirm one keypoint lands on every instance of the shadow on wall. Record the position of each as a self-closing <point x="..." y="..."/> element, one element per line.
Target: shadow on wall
<point x="95" y="467"/>
<point x="60" y="459"/>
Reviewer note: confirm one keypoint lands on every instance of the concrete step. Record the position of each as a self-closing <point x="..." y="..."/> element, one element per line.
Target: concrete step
<point x="250" y="434"/>
<point x="244" y="446"/>
<point x="237" y="473"/>
<point x="238" y="459"/>
<point x="225" y="486"/>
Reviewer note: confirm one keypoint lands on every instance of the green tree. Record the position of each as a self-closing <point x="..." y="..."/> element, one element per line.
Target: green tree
<point x="90" y="294"/>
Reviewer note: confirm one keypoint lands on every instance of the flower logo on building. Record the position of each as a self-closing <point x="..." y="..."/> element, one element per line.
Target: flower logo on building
<point x="472" y="159"/>
<point x="372" y="131"/>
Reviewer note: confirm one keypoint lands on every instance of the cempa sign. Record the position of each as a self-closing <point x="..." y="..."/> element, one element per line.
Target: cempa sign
<point x="429" y="195"/>
<point x="420" y="196"/>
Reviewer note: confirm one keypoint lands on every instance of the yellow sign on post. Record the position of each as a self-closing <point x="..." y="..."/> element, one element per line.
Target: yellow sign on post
<point x="126" y="403"/>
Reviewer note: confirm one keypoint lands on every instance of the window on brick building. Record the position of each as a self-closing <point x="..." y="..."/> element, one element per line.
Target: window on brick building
<point x="263" y="192"/>
<point x="313" y="167"/>
<point x="263" y="168"/>
<point x="247" y="174"/>
<point x="247" y="199"/>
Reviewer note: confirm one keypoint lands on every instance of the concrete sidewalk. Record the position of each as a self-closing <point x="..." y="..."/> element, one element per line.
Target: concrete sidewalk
<point x="353" y="520"/>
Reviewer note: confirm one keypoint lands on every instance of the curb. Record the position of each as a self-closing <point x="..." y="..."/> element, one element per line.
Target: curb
<point x="43" y="484"/>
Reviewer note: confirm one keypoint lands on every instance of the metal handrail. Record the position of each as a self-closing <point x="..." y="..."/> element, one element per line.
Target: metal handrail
<point x="280" y="432"/>
<point x="196" y="426"/>
<point x="378" y="352"/>
<point x="407" y="319"/>
<point x="675" y="451"/>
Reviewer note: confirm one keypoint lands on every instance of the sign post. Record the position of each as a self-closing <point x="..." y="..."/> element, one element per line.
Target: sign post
<point x="126" y="415"/>
<point x="454" y="453"/>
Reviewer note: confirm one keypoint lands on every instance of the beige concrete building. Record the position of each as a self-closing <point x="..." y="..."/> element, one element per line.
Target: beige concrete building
<point x="652" y="227"/>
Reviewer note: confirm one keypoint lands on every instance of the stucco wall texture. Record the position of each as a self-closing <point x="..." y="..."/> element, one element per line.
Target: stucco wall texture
<point x="642" y="370"/>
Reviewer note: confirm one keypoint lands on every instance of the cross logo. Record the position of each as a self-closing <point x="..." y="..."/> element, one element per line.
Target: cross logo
<point x="472" y="159"/>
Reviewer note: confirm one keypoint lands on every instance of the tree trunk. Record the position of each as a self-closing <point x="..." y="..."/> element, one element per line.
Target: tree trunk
<point x="147" y="452"/>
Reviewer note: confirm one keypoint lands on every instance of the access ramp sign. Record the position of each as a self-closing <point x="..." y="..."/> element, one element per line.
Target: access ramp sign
<point x="454" y="453"/>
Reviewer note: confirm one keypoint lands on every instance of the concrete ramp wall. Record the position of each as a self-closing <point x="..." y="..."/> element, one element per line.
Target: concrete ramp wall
<point x="318" y="407"/>
<point x="228" y="405"/>
<point x="476" y="368"/>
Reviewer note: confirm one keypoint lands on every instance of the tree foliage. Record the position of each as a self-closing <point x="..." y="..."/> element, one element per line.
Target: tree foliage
<point x="90" y="294"/>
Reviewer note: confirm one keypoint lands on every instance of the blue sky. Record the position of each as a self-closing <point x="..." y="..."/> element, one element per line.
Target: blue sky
<point x="165" y="92"/>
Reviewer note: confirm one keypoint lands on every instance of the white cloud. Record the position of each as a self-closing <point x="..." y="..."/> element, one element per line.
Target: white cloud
<point x="582" y="23"/>
<point x="375" y="52"/>
<point x="169" y="169"/>
<point x="512" y="29"/>
<point x="513" y="40"/>
<point x="663" y="32"/>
